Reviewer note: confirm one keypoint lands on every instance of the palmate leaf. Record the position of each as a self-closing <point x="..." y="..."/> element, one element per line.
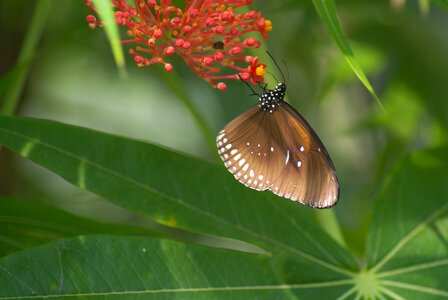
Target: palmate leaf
<point x="97" y="267"/>
<point x="24" y="224"/>
<point x="181" y="191"/>
<point x="407" y="252"/>
<point x="407" y="248"/>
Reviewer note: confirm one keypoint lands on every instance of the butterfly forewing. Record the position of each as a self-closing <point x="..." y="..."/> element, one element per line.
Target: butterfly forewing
<point x="279" y="151"/>
<point x="241" y="152"/>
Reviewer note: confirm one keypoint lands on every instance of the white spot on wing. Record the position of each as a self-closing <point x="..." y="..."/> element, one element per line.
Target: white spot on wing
<point x="228" y="146"/>
<point x="237" y="156"/>
<point x="302" y="149"/>
<point x="242" y="161"/>
<point x="233" y="152"/>
<point x="251" y="173"/>
<point x="287" y="157"/>
<point x="260" y="177"/>
<point x="225" y="140"/>
<point x="272" y="149"/>
<point x="246" y="166"/>
<point x="299" y="164"/>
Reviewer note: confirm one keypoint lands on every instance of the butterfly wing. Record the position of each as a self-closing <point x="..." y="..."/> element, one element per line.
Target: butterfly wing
<point x="279" y="151"/>
<point x="246" y="148"/>
<point x="309" y="175"/>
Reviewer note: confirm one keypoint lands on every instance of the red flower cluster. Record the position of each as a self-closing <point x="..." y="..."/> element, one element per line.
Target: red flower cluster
<point x="207" y="34"/>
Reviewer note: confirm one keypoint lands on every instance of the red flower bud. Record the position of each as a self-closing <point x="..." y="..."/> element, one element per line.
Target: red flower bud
<point x="169" y="50"/>
<point x="168" y="67"/>
<point x="222" y="86"/>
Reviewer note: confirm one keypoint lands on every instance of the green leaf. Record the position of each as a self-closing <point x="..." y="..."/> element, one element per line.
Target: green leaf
<point x="106" y="13"/>
<point x="327" y="12"/>
<point x="131" y="268"/>
<point x="179" y="191"/>
<point x="407" y="248"/>
<point x="300" y="260"/>
<point x="24" y="224"/>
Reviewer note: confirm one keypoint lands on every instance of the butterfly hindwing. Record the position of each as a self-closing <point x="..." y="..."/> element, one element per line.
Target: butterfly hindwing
<point x="309" y="176"/>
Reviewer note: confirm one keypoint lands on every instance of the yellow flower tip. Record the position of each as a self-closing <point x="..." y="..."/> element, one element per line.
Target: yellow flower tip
<point x="260" y="70"/>
<point x="268" y="25"/>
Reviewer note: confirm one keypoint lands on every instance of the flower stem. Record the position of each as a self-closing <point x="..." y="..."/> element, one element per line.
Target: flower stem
<point x="26" y="56"/>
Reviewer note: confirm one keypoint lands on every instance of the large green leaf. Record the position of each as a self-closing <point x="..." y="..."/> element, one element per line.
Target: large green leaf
<point x="136" y="268"/>
<point x="327" y="12"/>
<point x="407" y="249"/>
<point x="24" y="224"/>
<point x="179" y="191"/>
<point x="407" y="255"/>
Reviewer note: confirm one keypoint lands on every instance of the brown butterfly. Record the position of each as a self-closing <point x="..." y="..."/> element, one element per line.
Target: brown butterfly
<point x="272" y="147"/>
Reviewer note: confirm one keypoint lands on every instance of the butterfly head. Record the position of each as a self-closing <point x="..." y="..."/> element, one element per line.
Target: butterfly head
<point x="270" y="100"/>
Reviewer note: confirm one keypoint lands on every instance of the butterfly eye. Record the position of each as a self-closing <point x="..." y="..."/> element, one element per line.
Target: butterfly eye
<point x="272" y="147"/>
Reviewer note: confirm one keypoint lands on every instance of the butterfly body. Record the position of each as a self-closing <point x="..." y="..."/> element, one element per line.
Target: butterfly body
<point x="272" y="147"/>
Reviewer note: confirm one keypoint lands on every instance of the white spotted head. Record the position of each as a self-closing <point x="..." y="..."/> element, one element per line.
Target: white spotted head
<point x="270" y="100"/>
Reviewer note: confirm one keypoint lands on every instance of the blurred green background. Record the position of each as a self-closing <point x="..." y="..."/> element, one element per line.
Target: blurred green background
<point x="401" y="45"/>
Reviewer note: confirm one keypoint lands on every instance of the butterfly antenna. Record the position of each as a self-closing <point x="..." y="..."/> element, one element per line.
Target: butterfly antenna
<point x="262" y="86"/>
<point x="272" y="74"/>
<point x="278" y="67"/>
<point x="253" y="91"/>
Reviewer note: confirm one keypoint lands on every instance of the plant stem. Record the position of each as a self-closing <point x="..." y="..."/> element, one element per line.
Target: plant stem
<point x="26" y="55"/>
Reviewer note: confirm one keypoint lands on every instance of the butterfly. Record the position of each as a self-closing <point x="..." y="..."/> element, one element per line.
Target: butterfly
<point x="272" y="147"/>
